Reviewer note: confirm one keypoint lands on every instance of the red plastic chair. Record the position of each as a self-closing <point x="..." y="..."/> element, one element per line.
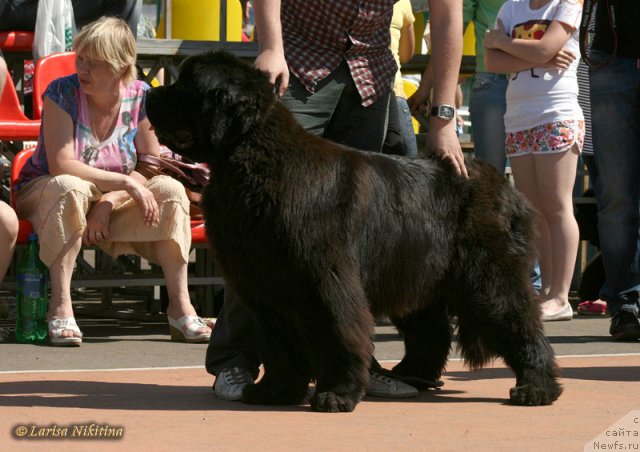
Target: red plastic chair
<point x="14" y="125"/>
<point x="48" y="69"/>
<point x="16" y="41"/>
<point x="198" y="235"/>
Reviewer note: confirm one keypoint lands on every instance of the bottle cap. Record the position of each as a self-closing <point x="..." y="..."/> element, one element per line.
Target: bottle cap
<point x="33" y="236"/>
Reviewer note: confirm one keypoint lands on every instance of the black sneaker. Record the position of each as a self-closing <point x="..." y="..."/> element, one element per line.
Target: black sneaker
<point x="381" y="385"/>
<point x="624" y="326"/>
<point x="230" y="383"/>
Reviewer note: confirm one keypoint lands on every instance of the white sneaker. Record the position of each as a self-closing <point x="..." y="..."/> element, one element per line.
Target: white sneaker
<point x="230" y="383"/>
<point x="383" y="386"/>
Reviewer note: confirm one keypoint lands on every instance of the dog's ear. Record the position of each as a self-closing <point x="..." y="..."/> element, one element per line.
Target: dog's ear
<point x="231" y="112"/>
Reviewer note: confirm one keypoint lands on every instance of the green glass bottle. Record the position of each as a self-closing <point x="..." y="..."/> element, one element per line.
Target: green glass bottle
<point x="32" y="296"/>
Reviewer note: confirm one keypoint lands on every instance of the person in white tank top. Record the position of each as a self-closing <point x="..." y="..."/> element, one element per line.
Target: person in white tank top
<point x="536" y="42"/>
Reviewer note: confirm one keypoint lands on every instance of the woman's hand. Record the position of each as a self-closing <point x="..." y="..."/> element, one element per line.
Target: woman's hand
<point x="496" y="38"/>
<point x="562" y="60"/>
<point x="98" y="223"/>
<point x="145" y="200"/>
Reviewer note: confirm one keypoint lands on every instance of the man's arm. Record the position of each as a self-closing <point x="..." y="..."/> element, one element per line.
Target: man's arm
<point x="270" y="58"/>
<point x="446" y="38"/>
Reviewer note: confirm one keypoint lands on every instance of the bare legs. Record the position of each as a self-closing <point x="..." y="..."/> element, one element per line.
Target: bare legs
<point x="8" y="236"/>
<point x="170" y="259"/>
<point x="547" y="182"/>
<point x="60" y="274"/>
<point x="175" y="273"/>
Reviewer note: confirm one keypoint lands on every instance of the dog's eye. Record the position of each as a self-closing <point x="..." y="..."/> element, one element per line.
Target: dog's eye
<point x="183" y="139"/>
<point x="183" y="135"/>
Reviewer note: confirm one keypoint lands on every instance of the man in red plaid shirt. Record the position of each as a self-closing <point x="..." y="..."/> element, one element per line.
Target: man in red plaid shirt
<point x="331" y="65"/>
<point x="315" y="41"/>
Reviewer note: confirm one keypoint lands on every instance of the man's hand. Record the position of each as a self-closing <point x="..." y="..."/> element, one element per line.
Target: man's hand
<point x="418" y="101"/>
<point x="275" y="67"/>
<point x="443" y="141"/>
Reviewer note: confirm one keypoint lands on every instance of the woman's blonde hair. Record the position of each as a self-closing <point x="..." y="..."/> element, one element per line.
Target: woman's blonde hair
<point x="109" y="39"/>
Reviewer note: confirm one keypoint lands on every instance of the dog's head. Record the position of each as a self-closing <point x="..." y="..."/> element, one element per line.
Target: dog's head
<point x="216" y="100"/>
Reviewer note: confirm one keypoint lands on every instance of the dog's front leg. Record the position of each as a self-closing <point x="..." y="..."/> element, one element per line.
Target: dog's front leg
<point x="341" y="354"/>
<point x="286" y="371"/>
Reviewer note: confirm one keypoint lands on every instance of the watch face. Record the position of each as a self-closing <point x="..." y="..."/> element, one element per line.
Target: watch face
<point x="446" y="112"/>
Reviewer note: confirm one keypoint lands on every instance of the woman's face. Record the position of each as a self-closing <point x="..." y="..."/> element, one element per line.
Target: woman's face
<point x="95" y="76"/>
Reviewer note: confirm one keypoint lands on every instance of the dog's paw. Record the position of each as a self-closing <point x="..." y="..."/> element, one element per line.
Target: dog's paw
<point x="532" y="395"/>
<point x="330" y="402"/>
<point x="261" y="394"/>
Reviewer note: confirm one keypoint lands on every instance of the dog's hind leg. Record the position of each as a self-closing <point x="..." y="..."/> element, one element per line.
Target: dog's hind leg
<point x="286" y="370"/>
<point x="534" y="364"/>
<point x="501" y="319"/>
<point x="427" y="340"/>
<point x="497" y="315"/>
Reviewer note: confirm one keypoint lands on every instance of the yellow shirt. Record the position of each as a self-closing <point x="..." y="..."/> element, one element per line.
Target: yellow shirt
<point x="402" y="17"/>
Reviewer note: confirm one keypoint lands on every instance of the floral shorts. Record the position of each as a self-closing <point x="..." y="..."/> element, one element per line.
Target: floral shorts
<point x="547" y="138"/>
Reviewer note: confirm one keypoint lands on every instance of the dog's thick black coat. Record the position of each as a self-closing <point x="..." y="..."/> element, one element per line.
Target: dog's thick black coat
<point x="317" y="239"/>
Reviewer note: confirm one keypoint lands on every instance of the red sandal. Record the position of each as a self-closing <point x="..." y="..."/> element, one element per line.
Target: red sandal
<point x="597" y="307"/>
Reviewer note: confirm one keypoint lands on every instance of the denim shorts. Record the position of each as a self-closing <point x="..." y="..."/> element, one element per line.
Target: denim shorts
<point x="553" y="137"/>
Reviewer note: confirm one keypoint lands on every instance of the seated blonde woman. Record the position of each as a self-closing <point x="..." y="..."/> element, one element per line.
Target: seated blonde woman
<point x="80" y="185"/>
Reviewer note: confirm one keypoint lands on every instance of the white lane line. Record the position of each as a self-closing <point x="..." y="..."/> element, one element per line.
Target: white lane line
<point x="121" y="369"/>
<point x="386" y="361"/>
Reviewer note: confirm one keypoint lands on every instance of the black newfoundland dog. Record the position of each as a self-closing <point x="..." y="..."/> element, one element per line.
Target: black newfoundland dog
<point x="317" y="239"/>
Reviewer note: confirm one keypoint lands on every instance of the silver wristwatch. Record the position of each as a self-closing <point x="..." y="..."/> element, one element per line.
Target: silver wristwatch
<point x="446" y="112"/>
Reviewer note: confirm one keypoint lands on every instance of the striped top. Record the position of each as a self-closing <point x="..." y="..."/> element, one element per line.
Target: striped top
<point x="585" y="104"/>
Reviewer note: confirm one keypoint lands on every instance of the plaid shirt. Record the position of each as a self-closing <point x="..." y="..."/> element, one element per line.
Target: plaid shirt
<point x="319" y="35"/>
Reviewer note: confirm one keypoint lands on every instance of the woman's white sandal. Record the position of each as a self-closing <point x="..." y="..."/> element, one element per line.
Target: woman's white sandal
<point x="58" y="326"/>
<point x="185" y="329"/>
